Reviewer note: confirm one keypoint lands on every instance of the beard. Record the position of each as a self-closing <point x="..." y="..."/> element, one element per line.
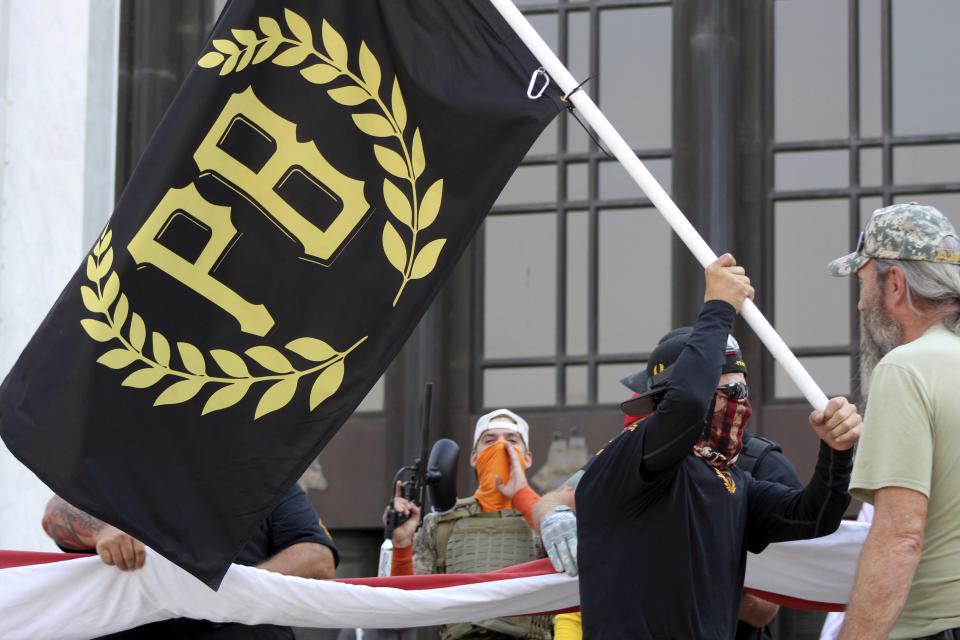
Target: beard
<point x="879" y="334"/>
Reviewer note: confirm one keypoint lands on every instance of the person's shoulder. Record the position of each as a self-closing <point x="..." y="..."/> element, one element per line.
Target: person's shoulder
<point x="294" y="498"/>
<point x="610" y="449"/>
<point x="754" y="449"/>
<point x="294" y="501"/>
<point x="774" y="466"/>
<point x="929" y="359"/>
<point x="464" y="507"/>
<point x="936" y="344"/>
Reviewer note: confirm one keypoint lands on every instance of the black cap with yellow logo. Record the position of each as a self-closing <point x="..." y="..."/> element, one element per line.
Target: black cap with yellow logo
<point x="653" y="380"/>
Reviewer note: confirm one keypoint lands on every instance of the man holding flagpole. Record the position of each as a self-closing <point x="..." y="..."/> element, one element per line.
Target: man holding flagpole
<point x="665" y="519"/>
<point x="760" y="457"/>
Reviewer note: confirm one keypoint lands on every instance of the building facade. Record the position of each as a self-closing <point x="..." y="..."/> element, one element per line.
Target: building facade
<point x="776" y="125"/>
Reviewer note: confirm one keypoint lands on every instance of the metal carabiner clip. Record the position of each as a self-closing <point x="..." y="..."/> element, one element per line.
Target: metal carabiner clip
<point x="532" y="91"/>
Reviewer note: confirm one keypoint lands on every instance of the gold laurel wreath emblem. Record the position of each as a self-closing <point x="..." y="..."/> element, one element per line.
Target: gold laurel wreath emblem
<point x="728" y="482"/>
<point x="121" y="323"/>
<point x="412" y="211"/>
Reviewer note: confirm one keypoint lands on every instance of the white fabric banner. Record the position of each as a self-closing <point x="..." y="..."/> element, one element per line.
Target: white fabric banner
<point x="84" y="598"/>
<point x="819" y="570"/>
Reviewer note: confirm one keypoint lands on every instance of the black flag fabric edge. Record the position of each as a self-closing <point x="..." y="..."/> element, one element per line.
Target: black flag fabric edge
<point x="303" y="200"/>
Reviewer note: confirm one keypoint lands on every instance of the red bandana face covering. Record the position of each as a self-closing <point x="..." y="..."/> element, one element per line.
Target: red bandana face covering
<point x="725" y="439"/>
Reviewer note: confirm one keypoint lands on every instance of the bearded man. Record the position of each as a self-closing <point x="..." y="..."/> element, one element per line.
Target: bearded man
<point x="665" y="518"/>
<point x="908" y="576"/>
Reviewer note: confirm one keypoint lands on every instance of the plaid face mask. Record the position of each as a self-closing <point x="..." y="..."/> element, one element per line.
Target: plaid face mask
<point x="722" y="441"/>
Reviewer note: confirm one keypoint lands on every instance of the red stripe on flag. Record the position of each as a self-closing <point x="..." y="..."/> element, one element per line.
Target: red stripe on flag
<point x="10" y="559"/>
<point x="796" y="603"/>
<point x="436" y="581"/>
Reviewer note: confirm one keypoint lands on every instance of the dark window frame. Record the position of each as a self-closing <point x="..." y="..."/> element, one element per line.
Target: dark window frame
<point x="592" y="205"/>
<point x="888" y="191"/>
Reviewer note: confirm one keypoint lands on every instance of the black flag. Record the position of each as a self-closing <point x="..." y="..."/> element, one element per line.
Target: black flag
<point x="307" y="193"/>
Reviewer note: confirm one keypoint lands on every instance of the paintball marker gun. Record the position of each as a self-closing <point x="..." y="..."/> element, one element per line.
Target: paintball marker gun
<point x="435" y="477"/>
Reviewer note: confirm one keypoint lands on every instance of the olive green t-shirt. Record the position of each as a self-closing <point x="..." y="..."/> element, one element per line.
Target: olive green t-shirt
<point x="911" y="439"/>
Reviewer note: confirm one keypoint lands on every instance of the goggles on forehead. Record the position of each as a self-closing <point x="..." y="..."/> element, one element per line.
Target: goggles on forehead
<point x="734" y="390"/>
<point x="859" y="248"/>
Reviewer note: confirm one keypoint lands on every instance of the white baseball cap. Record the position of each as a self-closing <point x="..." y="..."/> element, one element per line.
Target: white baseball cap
<point x="521" y="427"/>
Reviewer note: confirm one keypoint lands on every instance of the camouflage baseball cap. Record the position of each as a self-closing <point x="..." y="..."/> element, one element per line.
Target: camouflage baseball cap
<point x="900" y="232"/>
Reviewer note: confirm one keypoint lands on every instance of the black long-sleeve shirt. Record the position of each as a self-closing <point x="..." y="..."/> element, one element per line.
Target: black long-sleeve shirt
<point x="663" y="536"/>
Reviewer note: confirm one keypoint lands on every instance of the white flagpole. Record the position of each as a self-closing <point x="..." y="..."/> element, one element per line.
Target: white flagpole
<point x="664" y="204"/>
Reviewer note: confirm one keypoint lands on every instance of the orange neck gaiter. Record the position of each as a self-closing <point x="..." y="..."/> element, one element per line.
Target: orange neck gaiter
<point x="492" y="462"/>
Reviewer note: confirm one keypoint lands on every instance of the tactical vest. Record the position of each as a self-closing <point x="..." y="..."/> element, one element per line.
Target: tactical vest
<point x="480" y="542"/>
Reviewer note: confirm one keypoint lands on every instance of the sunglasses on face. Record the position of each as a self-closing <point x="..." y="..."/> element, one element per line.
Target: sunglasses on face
<point x="734" y="390"/>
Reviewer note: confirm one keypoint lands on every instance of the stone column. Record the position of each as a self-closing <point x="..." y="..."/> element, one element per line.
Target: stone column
<point x="57" y="122"/>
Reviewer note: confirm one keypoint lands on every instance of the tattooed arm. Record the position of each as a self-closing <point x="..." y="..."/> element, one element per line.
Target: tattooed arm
<point x="77" y="530"/>
<point x="70" y="527"/>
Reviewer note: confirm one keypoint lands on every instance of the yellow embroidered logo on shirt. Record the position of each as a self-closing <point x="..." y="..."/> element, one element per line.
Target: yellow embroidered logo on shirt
<point x="727" y="479"/>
